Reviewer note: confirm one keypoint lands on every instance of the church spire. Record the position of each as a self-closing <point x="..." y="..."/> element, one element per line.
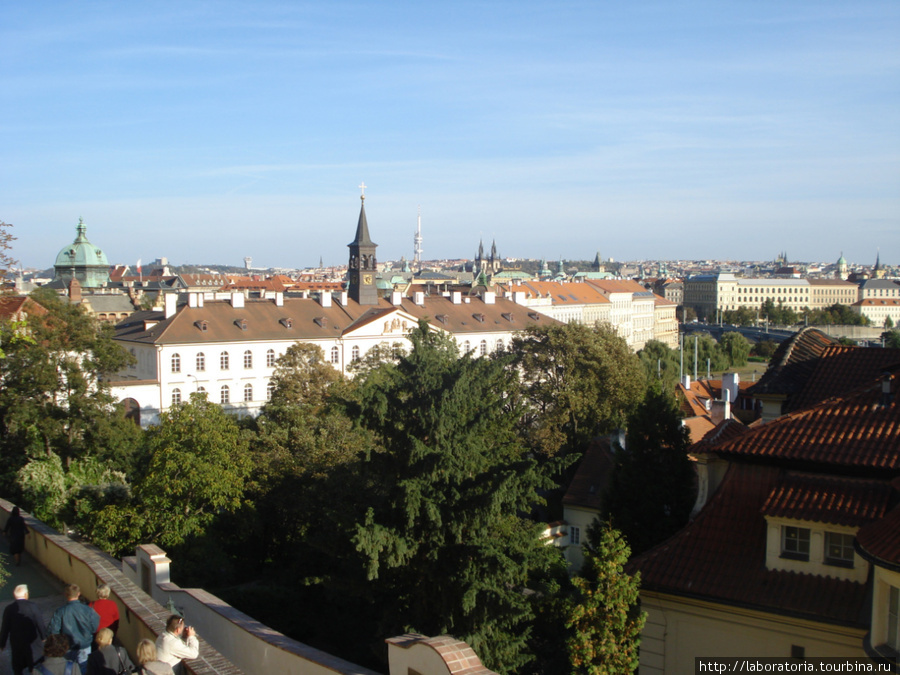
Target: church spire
<point x="362" y="266"/>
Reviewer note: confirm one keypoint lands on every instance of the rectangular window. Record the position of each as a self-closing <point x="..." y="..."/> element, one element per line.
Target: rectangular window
<point x="838" y="549"/>
<point x="575" y="536"/>
<point x="794" y="542"/>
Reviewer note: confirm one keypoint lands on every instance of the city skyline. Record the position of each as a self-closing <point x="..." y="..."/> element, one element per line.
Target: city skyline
<point x="648" y="131"/>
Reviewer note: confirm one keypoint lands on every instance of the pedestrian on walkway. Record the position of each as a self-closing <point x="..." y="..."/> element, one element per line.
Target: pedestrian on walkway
<point x="78" y="622"/>
<point x="23" y="627"/>
<point x="15" y="530"/>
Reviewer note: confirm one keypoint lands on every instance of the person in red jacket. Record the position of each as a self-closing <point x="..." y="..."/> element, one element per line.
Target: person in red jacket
<point x="107" y="609"/>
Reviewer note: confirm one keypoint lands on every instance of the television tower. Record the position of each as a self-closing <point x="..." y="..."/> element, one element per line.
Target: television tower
<point x="417" y="242"/>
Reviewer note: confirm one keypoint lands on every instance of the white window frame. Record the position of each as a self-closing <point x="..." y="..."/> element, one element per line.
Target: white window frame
<point x="794" y="540"/>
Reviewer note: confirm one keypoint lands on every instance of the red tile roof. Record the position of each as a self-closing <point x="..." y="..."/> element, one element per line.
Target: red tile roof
<point x="855" y="431"/>
<point x="841" y="369"/>
<point x="721" y="556"/>
<point x="793" y="363"/>
<point x="836" y="501"/>
<point x="880" y="541"/>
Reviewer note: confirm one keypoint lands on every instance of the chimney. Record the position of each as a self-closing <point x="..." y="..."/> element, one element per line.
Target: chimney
<point x="456" y="297"/>
<point x="720" y="411"/>
<point x="489" y="297"/>
<point x="396" y="298"/>
<point x="731" y="382"/>
<point x="419" y="297"/>
<point x="325" y="298"/>
<point x="686" y="381"/>
<point x="192" y="300"/>
<point x="279" y="299"/>
<point x="237" y="300"/>
<point x="519" y="297"/>
<point x="343" y="298"/>
<point x="171" y="304"/>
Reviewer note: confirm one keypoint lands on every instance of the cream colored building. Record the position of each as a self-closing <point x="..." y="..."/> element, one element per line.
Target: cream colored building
<point x="708" y="294"/>
<point x="635" y="313"/>
<point x="878" y="310"/>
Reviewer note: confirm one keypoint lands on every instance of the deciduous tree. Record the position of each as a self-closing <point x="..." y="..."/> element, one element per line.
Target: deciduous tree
<point x="578" y="382"/>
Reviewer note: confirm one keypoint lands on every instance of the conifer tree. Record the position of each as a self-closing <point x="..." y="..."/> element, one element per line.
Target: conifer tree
<point x="604" y="621"/>
<point x="652" y="488"/>
<point x="445" y="542"/>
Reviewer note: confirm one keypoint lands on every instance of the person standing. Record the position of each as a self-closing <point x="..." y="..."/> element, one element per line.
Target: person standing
<point x="107" y="609"/>
<point x="23" y="627"/>
<point x="108" y="659"/>
<point x="176" y="643"/>
<point x="16" y="530"/>
<point x="79" y="623"/>
<point x="147" y="662"/>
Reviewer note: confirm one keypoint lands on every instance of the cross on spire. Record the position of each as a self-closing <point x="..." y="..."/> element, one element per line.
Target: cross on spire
<point x="362" y="186"/>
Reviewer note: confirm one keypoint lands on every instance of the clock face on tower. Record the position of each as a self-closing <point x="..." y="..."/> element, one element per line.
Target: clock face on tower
<point x="367" y="278"/>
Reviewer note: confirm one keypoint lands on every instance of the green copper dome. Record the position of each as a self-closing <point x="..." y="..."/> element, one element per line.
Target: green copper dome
<point x="83" y="261"/>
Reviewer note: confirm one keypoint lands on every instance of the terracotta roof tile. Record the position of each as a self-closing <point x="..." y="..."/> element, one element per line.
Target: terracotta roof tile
<point x="721" y="556"/>
<point x="856" y="431"/>
<point x="841" y="369"/>
<point x="880" y="541"/>
<point x="793" y="363"/>
<point x="836" y="501"/>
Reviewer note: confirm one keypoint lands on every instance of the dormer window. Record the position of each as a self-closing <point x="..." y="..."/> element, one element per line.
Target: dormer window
<point x="287" y="322"/>
<point x="443" y="318"/>
<point x="319" y="321"/>
<point x="508" y="316"/>
<point x="203" y="325"/>
<point x="839" y="549"/>
<point x="534" y="316"/>
<point x="478" y="317"/>
<point x="241" y="323"/>
<point x="795" y="542"/>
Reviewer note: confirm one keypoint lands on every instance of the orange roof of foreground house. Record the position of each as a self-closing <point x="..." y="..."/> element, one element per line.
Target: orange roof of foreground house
<point x="860" y="430"/>
<point x="793" y="363"/>
<point x="836" y="501"/>
<point x="721" y="556"/>
<point x="841" y="369"/>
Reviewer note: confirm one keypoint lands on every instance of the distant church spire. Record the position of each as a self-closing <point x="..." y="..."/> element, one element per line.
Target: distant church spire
<point x="417" y="241"/>
<point x="362" y="266"/>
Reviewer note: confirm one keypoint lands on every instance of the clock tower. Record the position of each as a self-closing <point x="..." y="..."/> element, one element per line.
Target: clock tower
<point x="361" y="269"/>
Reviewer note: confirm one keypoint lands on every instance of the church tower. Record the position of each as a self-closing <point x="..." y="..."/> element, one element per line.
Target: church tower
<point x="362" y="266"/>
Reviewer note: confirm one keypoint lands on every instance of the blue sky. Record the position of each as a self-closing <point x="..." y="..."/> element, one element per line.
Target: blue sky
<point x="209" y="131"/>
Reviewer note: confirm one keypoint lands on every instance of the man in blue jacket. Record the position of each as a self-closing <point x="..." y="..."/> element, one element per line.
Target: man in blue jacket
<point x="78" y="622"/>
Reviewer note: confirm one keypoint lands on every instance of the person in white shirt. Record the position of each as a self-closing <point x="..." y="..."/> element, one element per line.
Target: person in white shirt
<point x="177" y="643"/>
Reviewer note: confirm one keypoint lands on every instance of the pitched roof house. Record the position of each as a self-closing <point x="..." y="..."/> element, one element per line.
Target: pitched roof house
<point x="797" y="551"/>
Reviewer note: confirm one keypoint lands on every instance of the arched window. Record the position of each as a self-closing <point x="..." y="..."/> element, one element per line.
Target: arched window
<point x="248" y="392"/>
<point x="201" y="362"/>
<point x="176" y="396"/>
<point x="176" y="363"/>
<point x="270" y="358"/>
<point x="201" y="390"/>
<point x="499" y="346"/>
<point x="354" y="353"/>
<point x="269" y="391"/>
<point x="248" y="359"/>
<point x="467" y="347"/>
<point x="335" y="355"/>
<point x="482" y="348"/>
<point x="224" y="395"/>
<point x="223" y="361"/>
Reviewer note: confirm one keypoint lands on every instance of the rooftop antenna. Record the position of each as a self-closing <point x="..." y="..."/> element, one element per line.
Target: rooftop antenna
<point x="417" y="241"/>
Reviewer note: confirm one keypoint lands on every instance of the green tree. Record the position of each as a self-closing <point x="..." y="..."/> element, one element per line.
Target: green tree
<point x="888" y="322"/>
<point x="652" y="488"/>
<point x="891" y="338"/>
<point x="6" y="239"/>
<point x="604" y="620"/>
<point x="578" y="382"/>
<point x="54" y="399"/>
<point x="736" y="349"/>
<point x="195" y="465"/>
<point x="764" y="349"/>
<point x="445" y="545"/>
<point x="708" y="354"/>
<point x="660" y="363"/>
